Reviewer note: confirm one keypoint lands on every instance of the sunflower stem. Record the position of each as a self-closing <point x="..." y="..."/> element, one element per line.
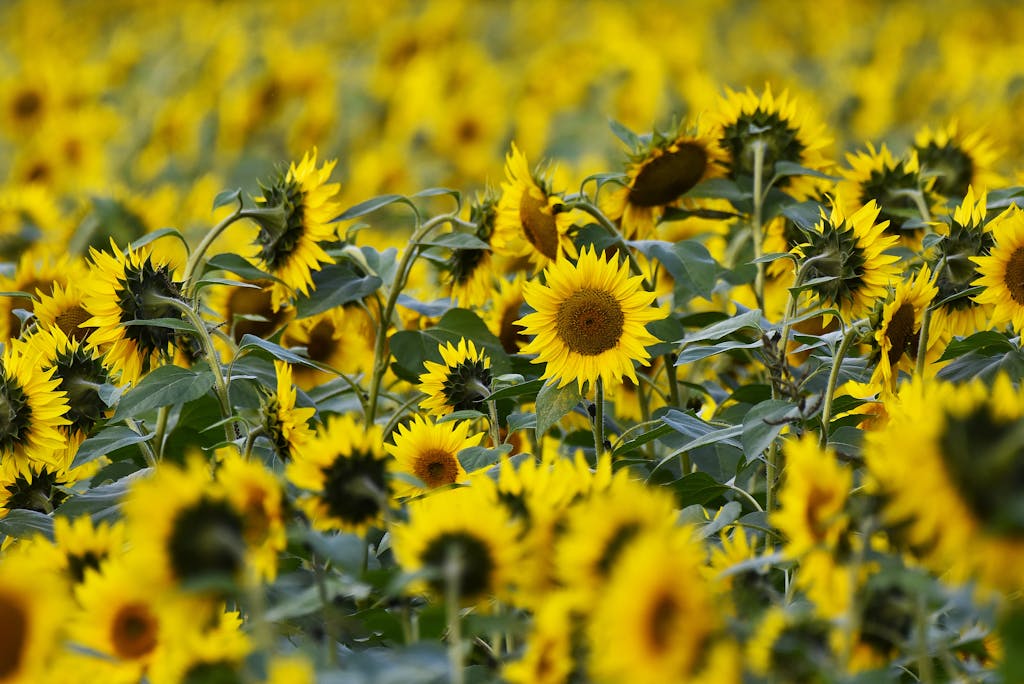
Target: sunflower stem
<point x="598" y="418"/>
<point x="673" y="382"/>
<point x="755" y="221"/>
<point x="162" y="415"/>
<point x="922" y="343"/>
<point x="330" y="641"/>
<point x="925" y="668"/>
<point x="492" y="410"/>
<point x="852" y="333"/>
<point x="452" y="573"/>
<point x="197" y="255"/>
<point x="147" y="452"/>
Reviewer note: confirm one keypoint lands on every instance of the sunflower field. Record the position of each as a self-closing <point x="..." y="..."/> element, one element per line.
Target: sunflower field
<point x="530" y="342"/>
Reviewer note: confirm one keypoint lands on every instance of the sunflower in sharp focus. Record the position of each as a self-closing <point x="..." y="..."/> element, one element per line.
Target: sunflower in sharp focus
<point x="33" y="606"/>
<point x="131" y="288"/>
<point x="746" y="121"/>
<point x="968" y="235"/>
<point x="589" y="321"/>
<point x="957" y="501"/>
<point x="64" y="308"/>
<point x="1001" y="273"/>
<point x="530" y="219"/>
<point x="850" y="249"/>
<point x="957" y="158"/>
<point x="39" y="274"/>
<point x="285" y="425"/>
<point x="429" y="452"/>
<point x="461" y="537"/>
<point x="33" y="487"/>
<point x="32" y="410"/>
<point x="657" y="620"/>
<point x="903" y="194"/>
<point x="289" y="249"/>
<point x="345" y="474"/>
<point x="459" y="383"/>
<point x="660" y="173"/>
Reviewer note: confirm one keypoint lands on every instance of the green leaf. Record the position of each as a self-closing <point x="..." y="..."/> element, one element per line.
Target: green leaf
<point x="1011" y="630"/>
<point x="697" y="488"/>
<point x="631" y="139"/>
<point x="345" y="550"/>
<point x="643" y="438"/>
<point x="249" y="341"/>
<point x="689" y="263"/>
<point x="529" y="389"/>
<point x="233" y="263"/>
<point x="774" y="256"/>
<point x="165" y="386"/>
<point x="553" y="403"/>
<point x="786" y="168"/>
<point x="727" y="515"/>
<point x="986" y="342"/>
<point x="697" y="353"/>
<point x="475" y="458"/>
<point x="437" y="192"/>
<point x="749" y="320"/>
<point x="371" y="205"/>
<point x="172" y="323"/>
<point x="24" y="524"/>
<point x="762" y="425"/>
<point x="336" y="285"/>
<point x="804" y="215"/>
<point x="720" y="188"/>
<point x="410" y="348"/>
<point x="103" y="500"/>
<point x="466" y="414"/>
<point x="155" y="235"/>
<point x="106" y="440"/>
<point x="226" y="197"/>
<point x="456" y="240"/>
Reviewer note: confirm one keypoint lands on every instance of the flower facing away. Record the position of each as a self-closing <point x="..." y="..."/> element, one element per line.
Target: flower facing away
<point x="588" y="321"/>
<point x="459" y="383"/>
<point x="470" y="271"/>
<point x="289" y="248"/>
<point x="1001" y="273"/>
<point x="429" y="453"/>
<point x="958" y="159"/>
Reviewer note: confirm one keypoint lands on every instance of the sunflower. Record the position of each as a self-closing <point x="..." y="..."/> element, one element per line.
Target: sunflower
<point x="968" y="235"/>
<point x="64" y="308"/>
<point x="660" y="173"/>
<point x="33" y="487"/>
<point x="460" y="383"/>
<point x="589" y="321"/>
<point x="746" y="120"/>
<point x="851" y="251"/>
<point x="957" y="159"/>
<point x="123" y="291"/>
<point x="530" y="219"/>
<point x="248" y="309"/>
<point x="1002" y="272"/>
<point x="341" y="337"/>
<point x="344" y="474"/>
<point x="286" y="426"/>
<point x="29" y="217"/>
<point x="86" y="545"/>
<point x="202" y="651"/>
<point x="505" y="311"/>
<point x="38" y="274"/>
<point x="897" y="332"/>
<point x="470" y="272"/>
<point x="548" y="657"/>
<point x="901" y="191"/>
<point x="790" y="646"/>
<point x="956" y="503"/>
<point x="184" y="527"/>
<point x="429" y="452"/>
<point x="33" y="605"/>
<point x="599" y="529"/>
<point x="256" y="494"/>
<point x="459" y="537"/>
<point x="657" y="619"/>
<point x="33" y="409"/>
<point x="289" y="249"/>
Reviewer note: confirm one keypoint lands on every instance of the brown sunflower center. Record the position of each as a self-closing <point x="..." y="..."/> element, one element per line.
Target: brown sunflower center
<point x="539" y="224"/>
<point x="508" y="332"/>
<point x="26" y="105"/>
<point x="246" y="306"/>
<point x="665" y="178"/>
<point x="436" y="467"/>
<point x="590" y="322"/>
<point x="13" y="635"/>
<point x="1014" y="278"/>
<point x="662" y="620"/>
<point x="901" y="334"/>
<point x="134" y="631"/>
<point x="464" y="558"/>
<point x="70" y="322"/>
<point x="818" y="500"/>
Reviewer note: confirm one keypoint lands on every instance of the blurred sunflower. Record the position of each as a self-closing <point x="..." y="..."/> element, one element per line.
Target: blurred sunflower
<point x="957" y="159"/>
<point x="30" y="219"/>
<point x="429" y="452"/>
<point x="659" y="173"/>
<point x="459" y="536"/>
<point x="341" y="337"/>
<point x="38" y="274"/>
<point x="1001" y="272"/>
<point x="86" y="545"/>
<point x="791" y="646"/>
<point x="33" y="608"/>
<point x="33" y="409"/>
<point x="248" y="310"/>
<point x="256" y="494"/>
<point x="202" y="651"/>
<point x="459" y="383"/>
<point x="123" y="291"/>
<point x="903" y="194"/>
<point x="344" y="473"/>
<point x="530" y="220"/>
<point x="506" y="305"/>
<point x="657" y="619"/>
<point x="967" y="236"/>
<point x="285" y="425"/>
<point x="851" y="251"/>
<point x="289" y="249"/>
<point x="960" y="492"/>
<point x="589" y="320"/>
<point x="548" y="656"/>
<point x="745" y="121"/>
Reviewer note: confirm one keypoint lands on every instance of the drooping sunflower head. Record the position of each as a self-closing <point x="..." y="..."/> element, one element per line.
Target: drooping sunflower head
<point x="288" y="246"/>
<point x="124" y="290"/>
<point x="660" y="173"/>
<point x="851" y="251"/>
<point x="1001" y="272"/>
<point x="588" y="321"/>
<point x="956" y="504"/>
<point x="345" y="473"/>
<point x="530" y="221"/>
<point x="463" y="540"/>
<point x="429" y="452"/>
<point x="957" y="159"/>
<point x="460" y="382"/>
<point x="33" y="487"/>
<point x="284" y="424"/>
<point x="903" y="194"/>
<point x="32" y="409"/>
<point x="969" y="235"/>
<point x="746" y="122"/>
<point x="470" y="272"/>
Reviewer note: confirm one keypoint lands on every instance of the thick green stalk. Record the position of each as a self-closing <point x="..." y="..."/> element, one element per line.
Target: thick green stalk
<point x="755" y="221"/>
<point x="599" y="419"/>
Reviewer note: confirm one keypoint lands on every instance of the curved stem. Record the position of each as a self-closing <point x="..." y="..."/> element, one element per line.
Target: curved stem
<point x="755" y="221"/>
<point x="200" y="251"/>
<point x="852" y="333"/>
<point x="147" y="452"/>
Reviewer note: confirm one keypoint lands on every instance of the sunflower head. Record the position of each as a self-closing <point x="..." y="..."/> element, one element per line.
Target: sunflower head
<point x="64" y="308"/>
<point x="32" y="409"/>
<point x="429" y="453"/>
<point x="470" y="271"/>
<point x="38" y="488"/>
<point x="791" y="646"/>
<point x="459" y="383"/>
<point x="285" y="425"/>
<point x="956" y="159"/>
<point x="80" y="372"/>
<point x="288" y="243"/>
<point x="1001" y="272"/>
